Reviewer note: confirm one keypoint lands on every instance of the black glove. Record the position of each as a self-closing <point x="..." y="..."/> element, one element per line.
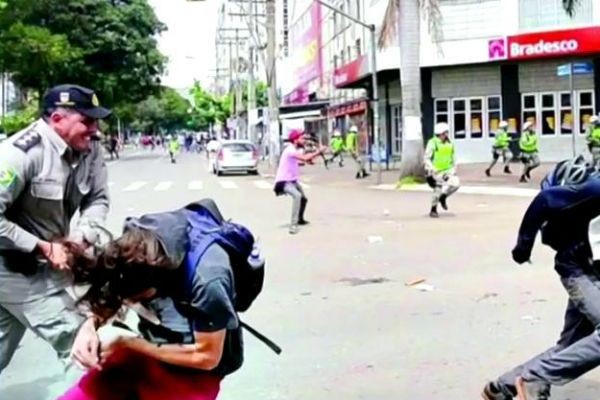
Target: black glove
<point x="431" y="181"/>
<point x="521" y="254"/>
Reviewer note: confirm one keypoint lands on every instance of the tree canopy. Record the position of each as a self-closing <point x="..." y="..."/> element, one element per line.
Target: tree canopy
<point x="109" y="46"/>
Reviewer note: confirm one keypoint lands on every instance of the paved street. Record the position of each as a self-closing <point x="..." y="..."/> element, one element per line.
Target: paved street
<point x="335" y="297"/>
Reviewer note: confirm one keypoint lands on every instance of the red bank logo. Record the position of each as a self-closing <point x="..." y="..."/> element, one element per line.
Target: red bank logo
<point x="497" y="49"/>
<point x="543" y="48"/>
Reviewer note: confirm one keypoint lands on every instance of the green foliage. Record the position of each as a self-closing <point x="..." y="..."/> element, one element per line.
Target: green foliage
<point x="410" y="180"/>
<point x="208" y="109"/>
<point x="19" y="120"/>
<point x="166" y="111"/>
<point x="106" y="45"/>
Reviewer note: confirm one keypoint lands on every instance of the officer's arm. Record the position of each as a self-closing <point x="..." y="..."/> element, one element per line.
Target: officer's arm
<point x="94" y="206"/>
<point x="429" y="156"/>
<point x="15" y="172"/>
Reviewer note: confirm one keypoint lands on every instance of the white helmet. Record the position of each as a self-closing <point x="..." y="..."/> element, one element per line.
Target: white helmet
<point x="336" y="133"/>
<point x="441" y="127"/>
<point x="353" y="128"/>
<point x="503" y="124"/>
<point x="527" y="125"/>
<point x="594" y="119"/>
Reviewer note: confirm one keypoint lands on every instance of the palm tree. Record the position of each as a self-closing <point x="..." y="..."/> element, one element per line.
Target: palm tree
<point x="402" y="20"/>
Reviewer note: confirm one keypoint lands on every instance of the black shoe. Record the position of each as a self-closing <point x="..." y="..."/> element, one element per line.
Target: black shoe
<point x="527" y="174"/>
<point x="303" y="222"/>
<point x="491" y="392"/>
<point x="294" y="229"/>
<point x="488" y="172"/>
<point x="443" y="203"/>
<point x="358" y="175"/>
<point x="507" y="170"/>
<point x="433" y="213"/>
<point x="341" y="164"/>
<point x="523" y="179"/>
<point x="365" y="174"/>
<point x="326" y="162"/>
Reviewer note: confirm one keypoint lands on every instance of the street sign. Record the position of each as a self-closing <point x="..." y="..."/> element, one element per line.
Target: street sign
<point x="579" y="68"/>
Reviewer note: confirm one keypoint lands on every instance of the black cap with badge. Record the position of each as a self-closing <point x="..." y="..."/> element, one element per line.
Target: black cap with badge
<point x="79" y="98"/>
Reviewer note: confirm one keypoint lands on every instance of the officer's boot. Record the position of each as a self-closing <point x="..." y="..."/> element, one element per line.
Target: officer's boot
<point x="523" y="179"/>
<point x="433" y="213"/>
<point x="443" y="203"/>
<point x="531" y="390"/>
<point x="488" y="172"/>
<point x="365" y="173"/>
<point x="507" y="170"/>
<point x="492" y="392"/>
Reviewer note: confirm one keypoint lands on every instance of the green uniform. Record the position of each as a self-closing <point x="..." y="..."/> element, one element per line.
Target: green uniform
<point x="501" y="148"/>
<point x="593" y="139"/>
<point x="529" y="153"/>
<point x="337" y="144"/>
<point x="352" y="142"/>
<point x="442" y="157"/>
<point x="528" y="142"/>
<point x="439" y="162"/>
<point x="502" y="141"/>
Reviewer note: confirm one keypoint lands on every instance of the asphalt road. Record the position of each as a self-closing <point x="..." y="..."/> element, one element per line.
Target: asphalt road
<point x="335" y="296"/>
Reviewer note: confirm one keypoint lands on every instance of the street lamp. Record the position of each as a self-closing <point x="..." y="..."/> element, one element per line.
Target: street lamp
<point x="375" y="97"/>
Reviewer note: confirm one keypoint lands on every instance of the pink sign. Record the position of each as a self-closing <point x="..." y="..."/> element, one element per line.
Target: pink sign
<point x="497" y="49"/>
<point x="307" y="46"/>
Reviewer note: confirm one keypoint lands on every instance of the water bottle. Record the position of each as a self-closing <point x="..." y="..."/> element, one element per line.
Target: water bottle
<point x="256" y="260"/>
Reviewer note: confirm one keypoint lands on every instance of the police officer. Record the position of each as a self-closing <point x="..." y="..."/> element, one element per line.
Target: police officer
<point x="593" y="138"/>
<point x="337" y="148"/>
<point x="501" y="148"/>
<point x="48" y="171"/>
<point x="352" y="148"/>
<point x="439" y="165"/>
<point x="529" y="151"/>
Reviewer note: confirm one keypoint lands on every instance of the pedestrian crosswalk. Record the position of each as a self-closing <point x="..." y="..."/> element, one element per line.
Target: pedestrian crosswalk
<point x="195" y="185"/>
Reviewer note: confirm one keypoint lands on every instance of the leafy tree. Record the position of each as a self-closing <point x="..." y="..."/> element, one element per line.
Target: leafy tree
<point x="22" y="117"/>
<point x="107" y="45"/>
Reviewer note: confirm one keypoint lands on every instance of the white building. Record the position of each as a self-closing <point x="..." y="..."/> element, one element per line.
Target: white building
<point x="497" y="59"/>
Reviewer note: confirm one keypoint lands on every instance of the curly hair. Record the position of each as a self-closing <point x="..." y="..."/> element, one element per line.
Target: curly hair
<point x="127" y="267"/>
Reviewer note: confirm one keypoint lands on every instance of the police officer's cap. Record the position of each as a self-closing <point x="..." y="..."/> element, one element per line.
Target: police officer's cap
<point x="79" y="98"/>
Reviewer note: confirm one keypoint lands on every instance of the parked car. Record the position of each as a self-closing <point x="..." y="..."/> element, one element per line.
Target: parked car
<point x="236" y="156"/>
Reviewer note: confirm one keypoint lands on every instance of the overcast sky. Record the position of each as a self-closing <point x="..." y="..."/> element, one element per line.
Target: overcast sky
<point x="189" y="41"/>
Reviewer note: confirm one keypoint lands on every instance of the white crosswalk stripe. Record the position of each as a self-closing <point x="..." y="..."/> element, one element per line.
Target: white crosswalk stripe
<point x="228" y="185"/>
<point x="263" y="185"/>
<point x="132" y="187"/>
<point x="163" y="186"/>
<point x="195" y="185"/>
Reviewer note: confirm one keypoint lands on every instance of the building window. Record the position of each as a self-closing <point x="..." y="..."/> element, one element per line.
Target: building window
<point x="358" y="48"/>
<point x="586" y="109"/>
<point x="535" y="14"/>
<point x="494" y="114"/>
<point x="529" y="109"/>
<point x="548" y="113"/>
<point x="441" y="110"/>
<point x="476" y="118"/>
<point x="459" y="118"/>
<point x="566" y="114"/>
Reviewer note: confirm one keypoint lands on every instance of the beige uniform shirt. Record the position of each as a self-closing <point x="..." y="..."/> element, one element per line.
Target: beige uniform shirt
<point x="42" y="184"/>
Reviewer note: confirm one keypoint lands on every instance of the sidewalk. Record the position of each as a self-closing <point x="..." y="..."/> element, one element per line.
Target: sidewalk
<point x="472" y="177"/>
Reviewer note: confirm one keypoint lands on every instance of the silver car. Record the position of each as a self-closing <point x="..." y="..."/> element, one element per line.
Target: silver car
<point x="236" y="156"/>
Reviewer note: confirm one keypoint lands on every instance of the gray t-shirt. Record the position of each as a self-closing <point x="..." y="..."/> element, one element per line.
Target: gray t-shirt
<point x="212" y="300"/>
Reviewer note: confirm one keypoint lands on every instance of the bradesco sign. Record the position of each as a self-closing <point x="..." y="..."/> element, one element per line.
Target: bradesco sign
<point x="546" y="44"/>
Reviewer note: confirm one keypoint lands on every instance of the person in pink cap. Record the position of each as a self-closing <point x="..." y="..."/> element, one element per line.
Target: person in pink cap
<point x="287" y="180"/>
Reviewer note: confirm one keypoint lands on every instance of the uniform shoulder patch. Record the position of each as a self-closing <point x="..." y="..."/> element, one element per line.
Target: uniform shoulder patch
<point x="27" y="141"/>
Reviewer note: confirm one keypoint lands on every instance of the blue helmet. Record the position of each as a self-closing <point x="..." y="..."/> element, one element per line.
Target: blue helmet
<point x="569" y="172"/>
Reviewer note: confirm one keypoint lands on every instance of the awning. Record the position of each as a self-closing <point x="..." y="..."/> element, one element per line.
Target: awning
<point x="301" y="114"/>
<point x="314" y="110"/>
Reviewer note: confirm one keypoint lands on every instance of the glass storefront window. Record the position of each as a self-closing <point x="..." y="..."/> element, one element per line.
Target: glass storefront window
<point x="459" y="119"/>
<point x="548" y="118"/>
<point x="586" y="109"/>
<point x="494" y="110"/>
<point x="476" y="108"/>
<point x="566" y="114"/>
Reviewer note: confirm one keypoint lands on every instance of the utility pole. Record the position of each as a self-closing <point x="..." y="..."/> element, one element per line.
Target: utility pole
<point x="274" y="139"/>
<point x="251" y="85"/>
<point x="238" y="86"/>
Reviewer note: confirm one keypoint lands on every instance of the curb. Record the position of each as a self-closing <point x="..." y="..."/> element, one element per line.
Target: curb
<point x="481" y="190"/>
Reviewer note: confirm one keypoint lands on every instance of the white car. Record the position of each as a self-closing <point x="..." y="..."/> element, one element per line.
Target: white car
<point x="236" y="156"/>
<point x="3" y="136"/>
